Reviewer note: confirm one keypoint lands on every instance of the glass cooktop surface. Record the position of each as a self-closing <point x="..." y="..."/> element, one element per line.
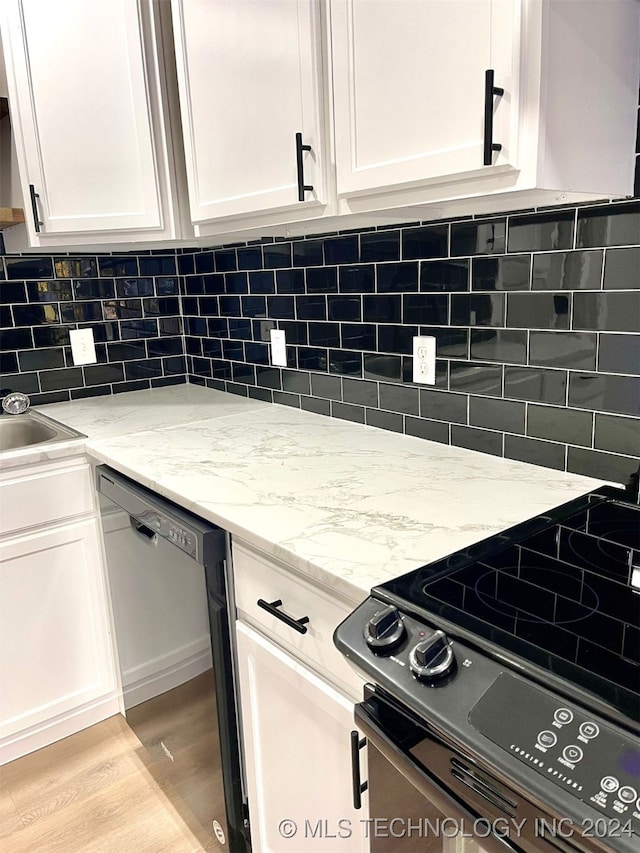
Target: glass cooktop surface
<point x="560" y="592"/>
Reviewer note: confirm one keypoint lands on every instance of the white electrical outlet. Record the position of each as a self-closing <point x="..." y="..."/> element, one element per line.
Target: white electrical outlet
<point x="278" y="348"/>
<point x="83" y="349"/>
<point x="424" y="360"/>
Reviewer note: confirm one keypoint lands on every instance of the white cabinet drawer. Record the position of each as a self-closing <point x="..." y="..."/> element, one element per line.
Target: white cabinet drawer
<point x="44" y="494"/>
<point x="258" y="577"/>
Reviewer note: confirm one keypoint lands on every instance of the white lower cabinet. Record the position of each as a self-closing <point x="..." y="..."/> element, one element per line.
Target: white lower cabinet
<point x="57" y="666"/>
<point x="56" y="663"/>
<point x="297" y="741"/>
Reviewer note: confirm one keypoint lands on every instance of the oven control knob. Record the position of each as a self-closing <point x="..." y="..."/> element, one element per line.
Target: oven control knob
<point x="433" y="657"/>
<point x="385" y="631"/>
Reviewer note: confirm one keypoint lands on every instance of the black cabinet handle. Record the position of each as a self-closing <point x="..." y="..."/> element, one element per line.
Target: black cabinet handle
<point x="490" y="91"/>
<point x="357" y="743"/>
<point x="34" y="207"/>
<point x="272" y="608"/>
<point x="302" y="187"/>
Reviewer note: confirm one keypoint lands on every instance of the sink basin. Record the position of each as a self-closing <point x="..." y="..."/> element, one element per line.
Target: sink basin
<point x="17" y="431"/>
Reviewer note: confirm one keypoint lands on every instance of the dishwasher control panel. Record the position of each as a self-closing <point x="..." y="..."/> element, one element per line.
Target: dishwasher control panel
<point x="152" y="515"/>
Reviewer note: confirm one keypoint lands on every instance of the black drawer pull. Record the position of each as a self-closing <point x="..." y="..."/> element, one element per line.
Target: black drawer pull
<point x="490" y="91"/>
<point x="37" y="222"/>
<point x="272" y="608"/>
<point x="357" y="743"/>
<point x="302" y="187"/>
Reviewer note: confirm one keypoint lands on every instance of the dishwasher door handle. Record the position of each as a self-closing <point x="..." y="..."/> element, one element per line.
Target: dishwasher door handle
<point x="143" y="531"/>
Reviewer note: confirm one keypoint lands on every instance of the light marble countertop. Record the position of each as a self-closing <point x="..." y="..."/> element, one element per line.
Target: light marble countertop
<point x="351" y="506"/>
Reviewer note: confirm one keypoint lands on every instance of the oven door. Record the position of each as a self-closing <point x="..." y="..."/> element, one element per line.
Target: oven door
<point x="427" y="796"/>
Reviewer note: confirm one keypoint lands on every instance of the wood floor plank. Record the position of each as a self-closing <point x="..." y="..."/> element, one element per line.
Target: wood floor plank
<point x="132" y="815"/>
<point x="71" y="770"/>
<point x="103" y="791"/>
<point x="9" y="818"/>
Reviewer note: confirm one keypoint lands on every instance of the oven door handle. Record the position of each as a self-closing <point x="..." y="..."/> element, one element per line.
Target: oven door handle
<point x="396" y="756"/>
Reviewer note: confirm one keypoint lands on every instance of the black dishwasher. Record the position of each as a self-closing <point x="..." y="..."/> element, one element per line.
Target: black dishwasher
<point x="158" y="555"/>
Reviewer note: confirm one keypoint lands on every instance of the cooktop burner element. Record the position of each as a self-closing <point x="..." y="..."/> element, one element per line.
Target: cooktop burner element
<point x="557" y="592"/>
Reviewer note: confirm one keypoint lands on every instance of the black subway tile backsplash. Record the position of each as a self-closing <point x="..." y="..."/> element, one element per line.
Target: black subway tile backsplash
<point x="322" y="280"/>
<point x="609" y="312"/>
<point x="359" y="336"/>
<point x="575" y="350"/>
<point x="477" y="309"/>
<point x="617" y="434"/>
<point x="395" y="398"/>
<point x="25" y="267"/>
<point x="503" y="415"/>
<point x="475" y="378"/>
<point x="329" y="387"/>
<point x="535" y="316"/>
<point x="382" y="367"/>
<point x="538" y="310"/>
<point x="622" y="268"/>
<point x="605" y="393"/>
<point x="398" y="339"/>
<point x="567" y="271"/>
<point x="380" y="246"/>
<point x="382" y="309"/>
<point x="384" y="420"/>
<point x="356" y="279"/>
<point x="276" y="255"/>
<point x="502" y="273"/>
<point x="568" y="426"/>
<point x="440" y="276"/>
<point x="429" y="430"/>
<point x="225" y="261"/>
<point x="501" y="345"/>
<point x="537" y="232"/>
<point x="425" y="308"/>
<point x="308" y="253"/>
<point x="290" y="281"/>
<point x="603" y="466"/>
<point x="52" y="291"/>
<point x="477" y="439"/>
<point x="360" y="392"/>
<point x="13" y="292"/>
<point x="478" y="238"/>
<point x="430" y="241"/>
<point x="538" y="385"/>
<point x="535" y="452"/>
<point x="347" y="308"/>
<point x="619" y="354"/>
<point x="609" y="225"/>
<point x="397" y="278"/>
<point x="342" y="250"/>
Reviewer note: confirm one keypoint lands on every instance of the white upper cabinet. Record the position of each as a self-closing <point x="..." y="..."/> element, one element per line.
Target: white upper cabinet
<point x="410" y="88"/>
<point x="418" y="121"/>
<point x="87" y="99"/>
<point x="250" y="79"/>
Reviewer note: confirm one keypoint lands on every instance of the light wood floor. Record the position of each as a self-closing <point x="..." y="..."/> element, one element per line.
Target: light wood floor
<point x="143" y="785"/>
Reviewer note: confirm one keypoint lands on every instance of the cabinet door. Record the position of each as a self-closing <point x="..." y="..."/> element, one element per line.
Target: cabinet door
<point x="83" y="115"/>
<point x="296" y="732"/>
<point x="249" y="78"/>
<point x="409" y="88"/>
<point x="55" y="652"/>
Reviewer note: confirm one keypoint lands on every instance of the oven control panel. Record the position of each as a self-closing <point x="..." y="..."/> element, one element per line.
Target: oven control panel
<point x="588" y="759"/>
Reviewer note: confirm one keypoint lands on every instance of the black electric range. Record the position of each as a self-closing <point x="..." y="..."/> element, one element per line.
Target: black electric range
<point x="522" y="653"/>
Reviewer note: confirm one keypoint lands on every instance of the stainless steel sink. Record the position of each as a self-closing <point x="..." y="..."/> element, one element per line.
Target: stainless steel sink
<point x="17" y="431"/>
